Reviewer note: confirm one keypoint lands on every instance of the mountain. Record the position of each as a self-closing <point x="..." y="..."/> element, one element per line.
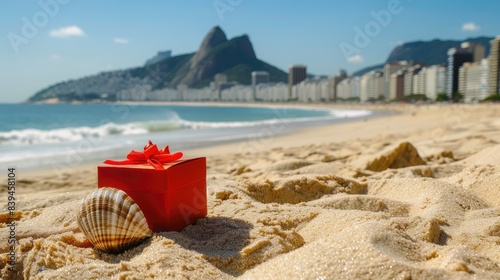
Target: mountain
<point x="427" y="52"/>
<point x="432" y="52"/>
<point x="235" y="57"/>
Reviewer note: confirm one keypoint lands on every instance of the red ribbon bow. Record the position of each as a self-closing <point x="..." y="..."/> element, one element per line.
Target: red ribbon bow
<point x="150" y="155"/>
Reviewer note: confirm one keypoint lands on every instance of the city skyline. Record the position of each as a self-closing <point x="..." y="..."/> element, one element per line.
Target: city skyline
<point x="50" y="41"/>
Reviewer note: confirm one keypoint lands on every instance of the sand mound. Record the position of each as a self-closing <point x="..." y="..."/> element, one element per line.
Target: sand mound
<point x="394" y="156"/>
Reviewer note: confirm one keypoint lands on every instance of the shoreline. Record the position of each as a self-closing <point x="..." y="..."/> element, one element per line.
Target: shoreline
<point x="320" y="105"/>
<point x="271" y="132"/>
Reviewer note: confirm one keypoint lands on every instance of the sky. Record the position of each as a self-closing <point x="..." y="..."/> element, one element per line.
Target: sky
<point x="49" y="41"/>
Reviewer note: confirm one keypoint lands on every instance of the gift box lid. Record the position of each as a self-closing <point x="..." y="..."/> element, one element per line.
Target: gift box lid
<point x="145" y="178"/>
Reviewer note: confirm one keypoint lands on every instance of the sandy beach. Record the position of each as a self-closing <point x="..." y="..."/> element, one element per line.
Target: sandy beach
<point x="414" y="195"/>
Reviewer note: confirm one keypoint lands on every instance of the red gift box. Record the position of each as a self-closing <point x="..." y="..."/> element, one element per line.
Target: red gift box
<point x="171" y="194"/>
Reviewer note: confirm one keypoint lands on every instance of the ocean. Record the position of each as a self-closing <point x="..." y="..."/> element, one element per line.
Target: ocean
<point x="63" y="135"/>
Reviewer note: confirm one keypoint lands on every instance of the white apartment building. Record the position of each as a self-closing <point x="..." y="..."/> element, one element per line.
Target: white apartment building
<point x="435" y="81"/>
<point x="473" y="83"/>
<point x="348" y="88"/>
<point x="371" y="86"/>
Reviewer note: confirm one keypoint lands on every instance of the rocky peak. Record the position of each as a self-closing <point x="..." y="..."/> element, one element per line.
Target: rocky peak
<point x="214" y="38"/>
<point x="245" y="46"/>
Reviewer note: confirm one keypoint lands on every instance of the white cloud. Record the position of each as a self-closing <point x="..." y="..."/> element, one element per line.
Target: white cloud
<point x="55" y="57"/>
<point x="356" y="59"/>
<point x="120" y="40"/>
<point x="470" y="26"/>
<point x="68" y="31"/>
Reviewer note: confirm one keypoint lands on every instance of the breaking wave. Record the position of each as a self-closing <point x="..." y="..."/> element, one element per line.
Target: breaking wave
<point x="70" y="134"/>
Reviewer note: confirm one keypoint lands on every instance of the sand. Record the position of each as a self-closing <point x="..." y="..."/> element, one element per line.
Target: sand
<point x="408" y="196"/>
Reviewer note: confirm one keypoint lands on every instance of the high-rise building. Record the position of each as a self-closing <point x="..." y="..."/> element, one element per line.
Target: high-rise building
<point x="494" y="64"/>
<point x="468" y="52"/>
<point x="355" y="87"/>
<point x="371" y="85"/>
<point x="296" y="74"/>
<point x="476" y="49"/>
<point x="348" y="88"/>
<point x="397" y="86"/>
<point x="311" y="90"/>
<point x="332" y="85"/>
<point x="219" y="80"/>
<point x="456" y="58"/>
<point x="419" y="82"/>
<point x="409" y="79"/>
<point x="343" y="89"/>
<point x="391" y="68"/>
<point x="462" y="76"/>
<point x="182" y="89"/>
<point x="474" y="80"/>
<point x="259" y="77"/>
<point x="435" y="81"/>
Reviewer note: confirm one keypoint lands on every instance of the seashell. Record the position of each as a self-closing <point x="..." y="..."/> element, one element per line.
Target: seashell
<point x="111" y="220"/>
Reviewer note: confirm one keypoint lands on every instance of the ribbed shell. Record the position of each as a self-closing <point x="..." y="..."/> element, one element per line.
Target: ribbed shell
<point x="111" y="220"/>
